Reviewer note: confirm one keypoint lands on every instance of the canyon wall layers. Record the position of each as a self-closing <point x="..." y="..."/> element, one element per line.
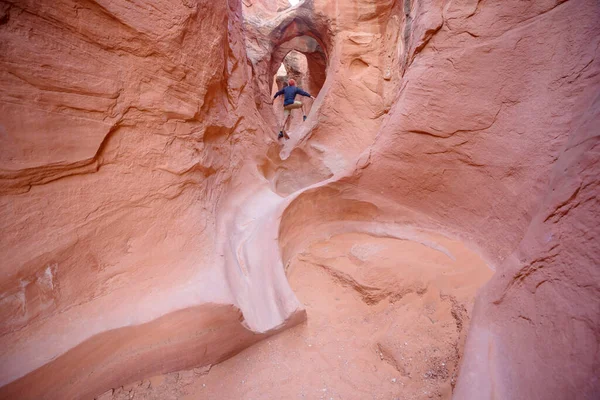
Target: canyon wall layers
<point x="142" y="190"/>
<point x="491" y="132"/>
<point x="124" y="126"/>
<point x="495" y="133"/>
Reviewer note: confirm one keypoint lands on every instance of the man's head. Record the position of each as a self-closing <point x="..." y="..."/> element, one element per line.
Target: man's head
<point x="292" y="82"/>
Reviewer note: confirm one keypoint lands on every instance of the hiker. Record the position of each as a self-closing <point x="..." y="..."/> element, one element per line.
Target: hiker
<point x="289" y="94"/>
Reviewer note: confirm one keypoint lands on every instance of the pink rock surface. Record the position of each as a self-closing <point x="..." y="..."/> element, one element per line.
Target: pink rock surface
<point x="391" y="332"/>
<point x="149" y="217"/>
<point x="121" y="130"/>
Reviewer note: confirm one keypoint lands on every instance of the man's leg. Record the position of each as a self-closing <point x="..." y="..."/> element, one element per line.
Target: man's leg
<point x="303" y="113"/>
<point x="286" y="125"/>
<point x="286" y="115"/>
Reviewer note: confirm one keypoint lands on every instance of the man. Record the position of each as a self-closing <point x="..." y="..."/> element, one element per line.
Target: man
<point x="289" y="94"/>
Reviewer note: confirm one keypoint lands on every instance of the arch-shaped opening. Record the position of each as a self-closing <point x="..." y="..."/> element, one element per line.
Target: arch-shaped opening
<point x="304" y="60"/>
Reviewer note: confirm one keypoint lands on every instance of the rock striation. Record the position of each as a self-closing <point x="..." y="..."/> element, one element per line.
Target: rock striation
<point x="123" y="126"/>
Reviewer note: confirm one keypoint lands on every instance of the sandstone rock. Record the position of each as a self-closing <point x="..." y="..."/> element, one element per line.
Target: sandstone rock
<point x="108" y="395"/>
<point x="120" y="125"/>
<point x="157" y="381"/>
<point x="148" y="213"/>
<point x="472" y="138"/>
<point x="203" y="370"/>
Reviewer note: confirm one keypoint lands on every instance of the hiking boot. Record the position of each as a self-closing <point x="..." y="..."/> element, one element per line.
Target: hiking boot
<point x="304" y="118"/>
<point x="280" y="135"/>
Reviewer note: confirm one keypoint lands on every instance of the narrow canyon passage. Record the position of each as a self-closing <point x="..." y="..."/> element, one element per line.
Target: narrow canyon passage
<point x="388" y="305"/>
<point x="387" y="319"/>
<point x="430" y="231"/>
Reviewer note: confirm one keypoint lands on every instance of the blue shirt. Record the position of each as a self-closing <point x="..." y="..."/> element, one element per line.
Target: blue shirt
<point x="289" y="94"/>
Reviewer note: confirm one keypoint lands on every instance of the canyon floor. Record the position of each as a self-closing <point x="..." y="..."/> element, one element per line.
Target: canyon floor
<point x="386" y="320"/>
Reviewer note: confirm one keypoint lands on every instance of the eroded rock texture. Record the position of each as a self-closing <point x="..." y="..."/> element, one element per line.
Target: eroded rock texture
<point x="149" y="217"/>
<point x="123" y="125"/>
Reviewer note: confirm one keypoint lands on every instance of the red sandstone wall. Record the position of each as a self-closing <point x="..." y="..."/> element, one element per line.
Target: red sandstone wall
<point x="494" y="133"/>
<point x="121" y="128"/>
<point x="491" y="132"/>
<point x="131" y="138"/>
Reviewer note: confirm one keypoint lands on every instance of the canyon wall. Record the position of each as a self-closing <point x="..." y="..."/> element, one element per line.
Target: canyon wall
<point x="495" y="134"/>
<point x="122" y="129"/>
<point x="147" y="210"/>
<point x="486" y="131"/>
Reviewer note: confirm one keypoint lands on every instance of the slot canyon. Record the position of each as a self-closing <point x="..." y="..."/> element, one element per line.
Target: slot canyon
<point x="430" y="230"/>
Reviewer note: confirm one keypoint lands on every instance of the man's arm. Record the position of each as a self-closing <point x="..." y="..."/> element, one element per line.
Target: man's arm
<point x="303" y="93"/>
<point x="278" y="94"/>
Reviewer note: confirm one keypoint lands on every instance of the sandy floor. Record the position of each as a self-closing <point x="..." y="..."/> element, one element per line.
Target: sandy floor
<point x="386" y="320"/>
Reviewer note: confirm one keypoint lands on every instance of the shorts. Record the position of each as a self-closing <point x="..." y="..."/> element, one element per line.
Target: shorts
<point x="288" y="109"/>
